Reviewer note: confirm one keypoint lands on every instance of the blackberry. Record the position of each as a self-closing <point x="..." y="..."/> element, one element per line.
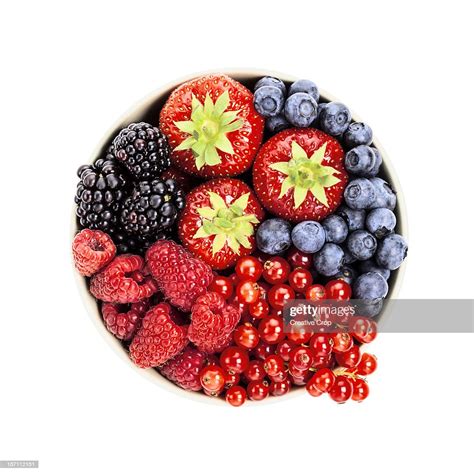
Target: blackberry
<point x="137" y="245"/>
<point x="143" y="150"/>
<point x="99" y="195"/>
<point x="151" y="208"/>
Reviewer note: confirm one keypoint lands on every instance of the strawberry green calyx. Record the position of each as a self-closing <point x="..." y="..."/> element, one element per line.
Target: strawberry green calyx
<point x="306" y="174"/>
<point x="228" y="223"/>
<point x="208" y="128"/>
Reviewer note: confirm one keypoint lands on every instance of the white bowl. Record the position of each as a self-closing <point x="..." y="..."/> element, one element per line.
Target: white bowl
<point x="148" y="110"/>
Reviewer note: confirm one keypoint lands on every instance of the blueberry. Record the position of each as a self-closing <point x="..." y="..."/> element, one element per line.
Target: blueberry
<point x="384" y="194"/>
<point x="357" y="134"/>
<point x="271" y="81"/>
<point x="347" y="273"/>
<point x="371" y="266"/>
<point x="360" y="194"/>
<point x="381" y="222"/>
<point x="355" y="218"/>
<point x="268" y="101"/>
<point x="276" y="124"/>
<point x="301" y="109"/>
<point x="321" y="107"/>
<point x="391" y="251"/>
<point x="348" y="257"/>
<point x="362" y="244"/>
<point x="369" y="308"/>
<point x="336" y="229"/>
<point x="274" y="236"/>
<point x="363" y="161"/>
<point x="308" y="236"/>
<point x="335" y="119"/>
<point x="370" y="286"/>
<point x="304" y="85"/>
<point x="329" y="260"/>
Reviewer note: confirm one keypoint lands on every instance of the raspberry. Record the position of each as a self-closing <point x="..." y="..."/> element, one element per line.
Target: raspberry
<point x="123" y="323"/>
<point x="92" y="250"/>
<point x="159" y="338"/>
<point x="212" y="323"/>
<point x="183" y="370"/>
<point x="180" y="276"/>
<point x="124" y="280"/>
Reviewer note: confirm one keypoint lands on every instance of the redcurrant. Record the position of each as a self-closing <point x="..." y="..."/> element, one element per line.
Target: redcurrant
<point x="323" y="379"/>
<point x="274" y="365"/>
<point x="255" y="371"/>
<point x="246" y="336"/>
<point x="277" y="389"/>
<point x="247" y="292"/>
<point x="276" y="270"/>
<point x="258" y="390"/>
<point x="316" y="293"/>
<point x="296" y="258"/>
<point x="367" y="364"/>
<point x="212" y="378"/>
<point x="231" y="379"/>
<point x="360" y="390"/>
<point x="284" y="348"/>
<point x="260" y="309"/>
<point x="342" y="389"/>
<point x="234" y="360"/>
<point x="349" y="358"/>
<point x="301" y="358"/>
<point x="300" y="279"/>
<point x="271" y="329"/>
<point x="279" y="295"/>
<point x="321" y="344"/>
<point x="249" y="268"/>
<point x="236" y="396"/>
<point x="263" y="350"/>
<point x="364" y="330"/>
<point x="338" y="290"/>
<point x="342" y="342"/>
<point x="222" y="285"/>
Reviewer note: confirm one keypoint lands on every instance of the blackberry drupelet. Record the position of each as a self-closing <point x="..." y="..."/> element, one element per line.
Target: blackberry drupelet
<point x="138" y="245"/>
<point x="99" y="195"/>
<point x="143" y="150"/>
<point x="151" y="209"/>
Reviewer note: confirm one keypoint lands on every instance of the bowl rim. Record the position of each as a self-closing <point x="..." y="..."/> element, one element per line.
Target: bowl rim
<point x="139" y="108"/>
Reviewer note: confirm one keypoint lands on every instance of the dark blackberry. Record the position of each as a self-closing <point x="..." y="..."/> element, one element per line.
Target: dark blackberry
<point x="99" y="195"/>
<point x="143" y="150"/>
<point x="152" y="208"/>
<point x="137" y="245"/>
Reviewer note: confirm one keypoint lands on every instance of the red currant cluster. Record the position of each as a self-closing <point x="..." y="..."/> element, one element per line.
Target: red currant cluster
<point x="264" y="360"/>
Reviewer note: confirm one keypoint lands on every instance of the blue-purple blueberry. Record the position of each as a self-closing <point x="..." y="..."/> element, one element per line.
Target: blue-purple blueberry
<point x="358" y="133"/>
<point x="370" y="265"/>
<point x="271" y="81"/>
<point x="391" y="251"/>
<point x="276" y="124"/>
<point x="329" y="260"/>
<point x="363" y="161"/>
<point x="381" y="222"/>
<point x="301" y="109"/>
<point x="336" y="229"/>
<point x="370" y="286"/>
<point x="347" y="273"/>
<point x="335" y="119"/>
<point x="360" y="194"/>
<point x="304" y="85"/>
<point x="268" y="101"/>
<point x="274" y="236"/>
<point x="308" y="236"/>
<point x="385" y="196"/>
<point x="362" y="244"/>
<point x="355" y="218"/>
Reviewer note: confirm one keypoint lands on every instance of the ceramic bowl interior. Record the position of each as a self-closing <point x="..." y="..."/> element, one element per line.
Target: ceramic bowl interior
<point x="148" y="110"/>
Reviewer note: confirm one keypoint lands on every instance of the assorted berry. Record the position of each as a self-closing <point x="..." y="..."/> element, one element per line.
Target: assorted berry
<point x="198" y="228"/>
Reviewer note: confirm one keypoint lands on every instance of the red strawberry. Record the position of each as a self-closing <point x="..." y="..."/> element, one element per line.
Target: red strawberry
<point x="212" y="323"/>
<point x="180" y="276"/>
<point x="219" y="220"/>
<point x="212" y="126"/>
<point x="299" y="174"/>
<point x="124" y="280"/>
<point x="159" y="338"/>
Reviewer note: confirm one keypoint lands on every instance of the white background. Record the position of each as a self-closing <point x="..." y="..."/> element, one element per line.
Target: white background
<point x="69" y="69"/>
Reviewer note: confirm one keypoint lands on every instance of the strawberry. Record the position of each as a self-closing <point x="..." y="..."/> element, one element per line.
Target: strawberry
<point x="299" y="174"/>
<point x="218" y="222"/>
<point x="212" y="126"/>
